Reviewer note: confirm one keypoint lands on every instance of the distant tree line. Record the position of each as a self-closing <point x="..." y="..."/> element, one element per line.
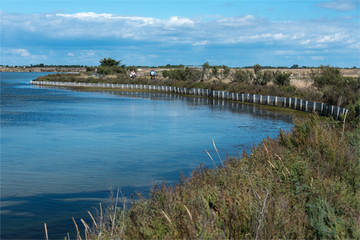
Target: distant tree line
<point x="170" y="66"/>
<point x="42" y="65"/>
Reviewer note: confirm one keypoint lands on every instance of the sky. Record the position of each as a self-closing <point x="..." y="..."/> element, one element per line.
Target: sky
<point x="190" y="32"/>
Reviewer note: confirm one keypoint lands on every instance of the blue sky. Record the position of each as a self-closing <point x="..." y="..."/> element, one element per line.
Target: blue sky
<point x="191" y="32"/>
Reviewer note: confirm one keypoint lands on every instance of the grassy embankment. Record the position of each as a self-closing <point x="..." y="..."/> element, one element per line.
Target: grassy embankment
<point x="304" y="184"/>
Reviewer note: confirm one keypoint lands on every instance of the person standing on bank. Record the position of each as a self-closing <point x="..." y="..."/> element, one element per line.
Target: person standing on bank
<point x="133" y="74"/>
<point x="152" y="74"/>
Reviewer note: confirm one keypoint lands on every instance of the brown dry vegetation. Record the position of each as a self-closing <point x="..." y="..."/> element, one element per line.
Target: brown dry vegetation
<point x="303" y="185"/>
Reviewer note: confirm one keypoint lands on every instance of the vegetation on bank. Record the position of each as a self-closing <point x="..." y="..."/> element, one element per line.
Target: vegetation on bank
<point x="330" y="86"/>
<point x="304" y="184"/>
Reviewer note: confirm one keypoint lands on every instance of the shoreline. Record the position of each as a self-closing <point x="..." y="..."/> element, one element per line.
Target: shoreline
<point x="292" y="103"/>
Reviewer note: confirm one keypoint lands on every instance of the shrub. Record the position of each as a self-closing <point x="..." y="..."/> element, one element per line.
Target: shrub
<point x="226" y="70"/>
<point x="268" y="76"/>
<point x="187" y="74"/>
<point x="282" y="79"/>
<point x="215" y="71"/>
<point x="90" y="69"/>
<point x="327" y="76"/>
<point x="131" y="68"/>
<point x="336" y="89"/>
<point x="257" y="69"/>
<point x="354" y="112"/>
<point x="243" y="76"/>
<point x="262" y="78"/>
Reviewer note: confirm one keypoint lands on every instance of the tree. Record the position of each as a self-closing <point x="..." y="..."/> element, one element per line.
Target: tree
<point x="257" y="69"/>
<point x="110" y="66"/>
<point x="261" y="78"/>
<point x="215" y="71"/>
<point x="109" y="62"/>
<point x="204" y="67"/>
<point x="226" y="70"/>
<point x="328" y="76"/>
<point x="282" y="79"/>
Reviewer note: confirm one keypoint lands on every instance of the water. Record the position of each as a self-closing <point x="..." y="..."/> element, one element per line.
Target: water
<point x="62" y="150"/>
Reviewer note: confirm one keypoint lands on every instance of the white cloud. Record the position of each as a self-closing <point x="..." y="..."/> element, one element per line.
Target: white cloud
<point x="317" y="57"/>
<point x="178" y="21"/>
<point x="355" y="45"/>
<point x="99" y="32"/>
<point x="341" y="5"/>
<point x="265" y="37"/>
<point x="88" y="53"/>
<point x="286" y="52"/>
<point x="200" y="43"/>
<point x="108" y="17"/>
<point x="221" y="30"/>
<point x="237" y="21"/>
<point x="337" y="37"/>
<point x="279" y="36"/>
<point x="305" y="42"/>
<point x="21" y="52"/>
<point x="84" y="15"/>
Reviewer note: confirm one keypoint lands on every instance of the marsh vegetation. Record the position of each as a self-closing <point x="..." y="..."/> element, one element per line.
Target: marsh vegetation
<point x="302" y="185"/>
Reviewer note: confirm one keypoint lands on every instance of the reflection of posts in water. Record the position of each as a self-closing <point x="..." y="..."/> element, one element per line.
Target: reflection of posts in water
<point x="293" y="103"/>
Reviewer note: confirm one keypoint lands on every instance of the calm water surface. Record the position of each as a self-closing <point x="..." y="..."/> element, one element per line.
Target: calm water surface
<point x="62" y="150"/>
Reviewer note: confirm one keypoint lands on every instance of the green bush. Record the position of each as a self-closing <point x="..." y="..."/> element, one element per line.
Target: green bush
<point x="354" y="112"/>
<point x="268" y="76"/>
<point x="215" y="71"/>
<point x="336" y="89"/>
<point x="131" y="68"/>
<point x="282" y="79"/>
<point x="327" y="76"/>
<point x="243" y="76"/>
<point x="187" y="74"/>
<point x="226" y="70"/>
<point x="262" y="78"/>
<point x="323" y="220"/>
<point x="107" y="70"/>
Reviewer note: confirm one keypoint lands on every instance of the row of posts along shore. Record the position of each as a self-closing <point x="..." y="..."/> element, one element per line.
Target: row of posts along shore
<point x="293" y="103"/>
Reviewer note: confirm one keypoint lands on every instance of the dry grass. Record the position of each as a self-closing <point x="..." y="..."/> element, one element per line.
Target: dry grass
<point x="303" y="185"/>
